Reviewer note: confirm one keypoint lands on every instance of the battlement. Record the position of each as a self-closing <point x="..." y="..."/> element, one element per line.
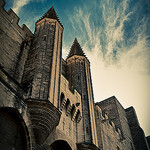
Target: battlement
<point x="12" y="18"/>
<point x="103" y="118"/>
<point x="72" y="101"/>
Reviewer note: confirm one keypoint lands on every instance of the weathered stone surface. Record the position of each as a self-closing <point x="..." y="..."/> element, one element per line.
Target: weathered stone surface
<point x="137" y="133"/>
<point x="52" y="98"/>
<point x="116" y="113"/>
<point x="109" y="136"/>
<point x="13" y="52"/>
<point x="79" y="76"/>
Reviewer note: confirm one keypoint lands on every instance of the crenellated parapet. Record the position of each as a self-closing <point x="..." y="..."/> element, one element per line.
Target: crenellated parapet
<point x="70" y="102"/>
<point x="103" y="118"/>
<point x="15" y="43"/>
<point x="13" y="19"/>
<point x="104" y="128"/>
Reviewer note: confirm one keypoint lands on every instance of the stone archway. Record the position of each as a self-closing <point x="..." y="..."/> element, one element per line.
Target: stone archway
<point x="60" y="145"/>
<point x="13" y="132"/>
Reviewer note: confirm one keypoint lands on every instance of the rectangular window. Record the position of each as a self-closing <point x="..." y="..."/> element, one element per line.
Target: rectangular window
<point x="69" y="129"/>
<point x="63" y="123"/>
<point x="87" y="130"/>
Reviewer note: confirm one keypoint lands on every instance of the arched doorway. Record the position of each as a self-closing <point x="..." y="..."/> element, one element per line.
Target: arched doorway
<point x="13" y="133"/>
<point x="60" y="145"/>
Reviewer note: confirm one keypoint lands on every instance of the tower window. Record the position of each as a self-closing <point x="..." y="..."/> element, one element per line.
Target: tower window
<point x="69" y="129"/>
<point x="78" y="77"/>
<point x="84" y="97"/>
<point x="11" y="21"/>
<point x="44" y="38"/>
<point x="63" y="123"/>
<point x="87" y="130"/>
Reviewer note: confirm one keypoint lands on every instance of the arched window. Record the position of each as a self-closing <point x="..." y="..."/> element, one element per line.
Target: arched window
<point x="78" y="114"/>
<point x="73" y="111"/>
<point x="62" y="97"/>
<point x="67" y="104"/>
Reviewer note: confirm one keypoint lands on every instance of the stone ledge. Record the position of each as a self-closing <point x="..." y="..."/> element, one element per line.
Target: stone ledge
<point x="87" y="146"/>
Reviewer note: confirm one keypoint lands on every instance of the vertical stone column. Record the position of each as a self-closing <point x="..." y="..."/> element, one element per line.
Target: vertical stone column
<point x="56" y="67"/>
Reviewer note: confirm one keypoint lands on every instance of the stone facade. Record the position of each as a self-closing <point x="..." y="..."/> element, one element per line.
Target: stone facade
<point x="46" y="102"/>
<point x="116" y="114"/>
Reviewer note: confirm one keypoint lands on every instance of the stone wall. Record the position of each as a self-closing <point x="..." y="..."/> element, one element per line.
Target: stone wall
<point x="71" y="114"/>
<point x="116" y="114"/>
<point x="109" y="136"/>
<point x="79" y="76"/>
<point x="137" y="132"/>
<point x="15" y="43"/>
<point x="71" y="109"/>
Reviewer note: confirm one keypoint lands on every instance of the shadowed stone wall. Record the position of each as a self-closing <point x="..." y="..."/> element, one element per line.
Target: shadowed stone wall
<point x="109" y="137"/>
<point x="15" y="43"/>
<point x="117" y="114"/>
<point x="137" y="132"/>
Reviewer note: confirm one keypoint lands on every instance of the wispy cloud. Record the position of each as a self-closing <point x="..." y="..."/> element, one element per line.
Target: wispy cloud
<point x="18" y="4"/>
<point x="119" y="52"/>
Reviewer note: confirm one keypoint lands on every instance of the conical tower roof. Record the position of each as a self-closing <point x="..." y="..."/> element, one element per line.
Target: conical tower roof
<point x="51" y="14"/>
<point x="76" y="49"/>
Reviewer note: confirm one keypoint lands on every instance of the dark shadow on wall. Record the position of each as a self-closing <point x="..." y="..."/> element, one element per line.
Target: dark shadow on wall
<point x="13" y="132"/>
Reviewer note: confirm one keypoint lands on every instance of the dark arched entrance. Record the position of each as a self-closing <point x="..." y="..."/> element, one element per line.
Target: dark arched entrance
<point x="60" y="145"/>
<point x="13" y="133"/>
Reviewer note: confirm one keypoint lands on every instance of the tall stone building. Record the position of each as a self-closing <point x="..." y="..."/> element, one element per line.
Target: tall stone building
<point x="46" y="102"/>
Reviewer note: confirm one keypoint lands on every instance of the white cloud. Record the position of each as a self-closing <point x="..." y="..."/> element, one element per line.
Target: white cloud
<point x="18" y="4"/>
<point x="127" y="78"/>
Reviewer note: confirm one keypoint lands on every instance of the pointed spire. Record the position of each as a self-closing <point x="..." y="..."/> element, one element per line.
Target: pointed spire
<point x="76" y="49"/>
<point x="51" y="13"/>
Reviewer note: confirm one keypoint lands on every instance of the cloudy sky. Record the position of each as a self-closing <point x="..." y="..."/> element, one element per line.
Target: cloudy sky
<point x="115" y="35"/>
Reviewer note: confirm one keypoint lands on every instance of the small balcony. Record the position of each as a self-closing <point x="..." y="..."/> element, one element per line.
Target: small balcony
<point x="44" y="118"/>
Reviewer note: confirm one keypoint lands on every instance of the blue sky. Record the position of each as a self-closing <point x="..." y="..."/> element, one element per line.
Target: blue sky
<point x="114" y="34"/>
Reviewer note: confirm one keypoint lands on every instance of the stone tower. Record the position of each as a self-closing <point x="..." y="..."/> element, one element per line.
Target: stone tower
<point x="43" y="66"/>
<point x="79" y="77"/>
